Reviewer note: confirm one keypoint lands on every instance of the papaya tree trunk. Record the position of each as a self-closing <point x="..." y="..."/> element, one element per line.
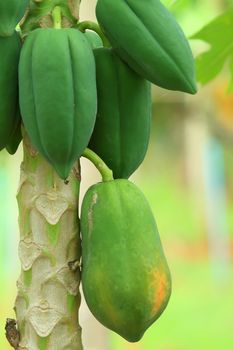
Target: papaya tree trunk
<point x="48" y="296"/>
<point x="49" y="250"/>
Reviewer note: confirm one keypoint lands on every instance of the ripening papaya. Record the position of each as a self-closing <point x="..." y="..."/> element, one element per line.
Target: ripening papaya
<point x="11" y="12"/>
<point x="57" y="94"/>
<point x="93" y="39"/>
<point x="148" y="38"/>
<point x="9" y="61"/>
<point x="125" y="276"/>
<point x="122" y="128"/>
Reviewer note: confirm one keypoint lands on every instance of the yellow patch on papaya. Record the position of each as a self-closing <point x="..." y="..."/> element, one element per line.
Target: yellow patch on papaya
<point x="161" y="290"/>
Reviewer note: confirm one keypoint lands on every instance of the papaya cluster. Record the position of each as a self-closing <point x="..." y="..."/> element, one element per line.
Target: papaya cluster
<point x="73" y="89"/>
<point x="125" y="276"/>
<point x="72" y="92"/>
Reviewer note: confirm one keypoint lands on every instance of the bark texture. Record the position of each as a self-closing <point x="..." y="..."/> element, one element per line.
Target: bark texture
<point x="48" y="297"/>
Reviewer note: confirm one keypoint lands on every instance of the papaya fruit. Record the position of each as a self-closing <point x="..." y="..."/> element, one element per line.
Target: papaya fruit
<point x="16" y="136"/>
<point x="57" y="94"/>
<point x="11" y="12"/>
<point x="125" y="276"/>
<point x="148" y="38"/>
<point x="93" y="39"/>
<point x="9" y="61"/>
<point x="122" y="128"/>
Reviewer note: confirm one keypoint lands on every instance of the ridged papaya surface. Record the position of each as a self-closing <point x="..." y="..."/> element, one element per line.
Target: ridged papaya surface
<point x="146" y="36"/>
<point x="11" y="12"/>
<point x="122" y="128"/>
<point x="93" y="39"/>
<point x="58" y="99"/>
<point x="9" y="60"/>
<point x="125" y="276"/>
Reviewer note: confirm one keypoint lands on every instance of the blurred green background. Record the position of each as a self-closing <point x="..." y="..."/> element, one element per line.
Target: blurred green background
<point x="187" y="177"/>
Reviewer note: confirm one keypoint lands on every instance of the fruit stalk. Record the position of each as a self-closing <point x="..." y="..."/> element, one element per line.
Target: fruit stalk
<point x="40" y="14"/>
<point x="105" y="172"/>
<point x="49" y="250"/>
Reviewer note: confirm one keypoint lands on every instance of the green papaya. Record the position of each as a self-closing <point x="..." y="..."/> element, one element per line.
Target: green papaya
<point x="11" y="12"/>
<point x="9" y="60"/>
<point x="125" y="276"/>
<point x="16" y="136"/>
<point x="57" y="94"/>
<point x="148" y="38"/>
<point x="93" y="39"/>
<point x="122" y="128"/>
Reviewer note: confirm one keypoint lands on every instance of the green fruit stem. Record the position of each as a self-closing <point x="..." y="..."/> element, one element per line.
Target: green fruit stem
<point x="82" y="26"/>
<point x="105" y="172"/>
<point x="49" y="250"/>
<point x="41" y="14"/>
<point x="57" y="17"/>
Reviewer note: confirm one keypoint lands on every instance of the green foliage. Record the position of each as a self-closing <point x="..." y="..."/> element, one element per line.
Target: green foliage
<point x="9" y="59"/>
<point x="218" y="34"/>
<point x="58" y="94"/>
<point x="11" y="12"/>
<point x="125" y="277"/>
<point x="148" y="38"/>
<point x="122" y="127"/>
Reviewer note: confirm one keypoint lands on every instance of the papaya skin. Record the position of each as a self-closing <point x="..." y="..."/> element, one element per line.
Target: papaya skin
<point x="57" y="95"/>
<point x="16" y="135"/>
<point x="11" y="12"/>
<point x="93" y="39"/>
<point x="9" y="59"/>
<point x="122" y="129"/>
<point x="125" y="276"/>
<point x="147" y="37"/>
